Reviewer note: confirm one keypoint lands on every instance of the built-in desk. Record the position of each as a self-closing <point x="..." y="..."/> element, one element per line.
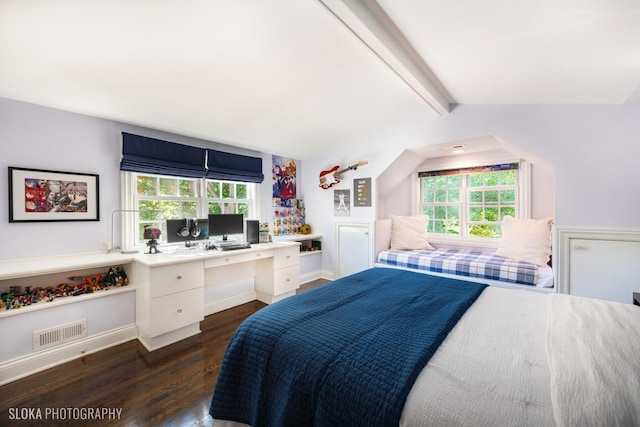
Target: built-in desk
<point x="171" y="286"/>
<point x="163" y="303"/>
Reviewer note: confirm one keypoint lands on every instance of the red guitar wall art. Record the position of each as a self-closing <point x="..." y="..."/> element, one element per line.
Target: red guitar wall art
<point x="331" y="177"/>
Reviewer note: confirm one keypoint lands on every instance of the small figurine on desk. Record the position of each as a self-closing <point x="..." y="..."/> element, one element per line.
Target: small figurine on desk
<point x="153" y="234"/>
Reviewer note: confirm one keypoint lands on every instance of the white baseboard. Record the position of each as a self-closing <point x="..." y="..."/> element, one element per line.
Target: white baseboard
<point x="310" y="277"/>
<point x="26" y="365"/>
<point x="326" y="274"/>
<point x="234" y="301"/>
<point x="315" y="275"/>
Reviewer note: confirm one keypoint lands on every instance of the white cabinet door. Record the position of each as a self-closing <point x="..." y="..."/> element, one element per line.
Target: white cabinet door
<point x="354" y="248"/>
<point x="605" y="269"/>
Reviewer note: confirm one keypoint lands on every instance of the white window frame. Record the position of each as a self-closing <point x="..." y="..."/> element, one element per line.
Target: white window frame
<point x="128" y="217"/>
<point x="523" y="205"/>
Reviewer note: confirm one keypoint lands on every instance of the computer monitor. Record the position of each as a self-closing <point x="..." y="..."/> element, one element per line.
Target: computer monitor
<point x="225" y="224"/>
<point x="187" y="229"/>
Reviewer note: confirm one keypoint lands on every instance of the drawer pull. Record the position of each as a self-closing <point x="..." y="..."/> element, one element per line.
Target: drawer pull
<point x="179" y="277"/>
<point x="227" y="259"/>
<point x="288" y="280"/>
<point x="179" y="311"/>
<point x="288" y="256"/>
<point x="258" y="254"/>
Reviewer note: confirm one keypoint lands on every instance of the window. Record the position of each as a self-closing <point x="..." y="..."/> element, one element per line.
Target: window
<point x="471" y="202"/>
<point x="158" y="198"/>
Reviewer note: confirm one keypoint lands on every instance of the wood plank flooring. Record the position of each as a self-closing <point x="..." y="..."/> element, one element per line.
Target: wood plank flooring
<point x="171" y="386"/>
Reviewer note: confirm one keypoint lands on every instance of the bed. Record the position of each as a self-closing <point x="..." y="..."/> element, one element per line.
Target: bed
<point x="330" y="356"/>
<point x="522" y="258"/>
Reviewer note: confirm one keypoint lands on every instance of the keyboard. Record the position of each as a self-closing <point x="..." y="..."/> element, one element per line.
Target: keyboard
<point x="233" y="246"/>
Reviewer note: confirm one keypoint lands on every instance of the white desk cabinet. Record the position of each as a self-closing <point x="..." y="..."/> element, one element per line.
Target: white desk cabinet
<point x="170" y="302"/>
<point x="280" y="277"/>
<point x="171" y="287"/>
<point x="310" y="256"/>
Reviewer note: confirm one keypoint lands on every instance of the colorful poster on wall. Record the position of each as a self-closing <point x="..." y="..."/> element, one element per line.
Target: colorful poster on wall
<point x="283" y="172"/>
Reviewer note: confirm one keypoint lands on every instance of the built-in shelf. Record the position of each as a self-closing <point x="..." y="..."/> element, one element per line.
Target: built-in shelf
<point x="29" y="267"/>
<point x="57" y="302"/>
<point x="51" y="271"/>
<point x="307" y="241"/>
<point x="297" y="237"/>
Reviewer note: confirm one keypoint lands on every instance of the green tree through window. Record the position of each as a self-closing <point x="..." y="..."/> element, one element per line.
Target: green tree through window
<point x="469" y="202"/>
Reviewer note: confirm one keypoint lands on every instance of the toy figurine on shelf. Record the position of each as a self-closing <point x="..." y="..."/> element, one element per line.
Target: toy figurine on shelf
<point x="116" y="277"/>
<point x="153" y="234"/>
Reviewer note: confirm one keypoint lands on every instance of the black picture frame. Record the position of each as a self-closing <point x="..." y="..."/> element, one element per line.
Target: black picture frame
<point x="39" y="195"/>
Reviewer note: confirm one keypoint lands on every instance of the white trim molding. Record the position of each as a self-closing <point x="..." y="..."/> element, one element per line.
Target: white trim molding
<point x="564" y="246"/>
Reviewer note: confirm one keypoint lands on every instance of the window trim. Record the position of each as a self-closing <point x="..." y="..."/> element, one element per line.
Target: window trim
<point x="524" y="202"/>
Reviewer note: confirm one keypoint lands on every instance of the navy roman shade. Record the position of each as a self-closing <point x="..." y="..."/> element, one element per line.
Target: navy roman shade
<point x="155" y="156"/>
<point x="234" y="167"/>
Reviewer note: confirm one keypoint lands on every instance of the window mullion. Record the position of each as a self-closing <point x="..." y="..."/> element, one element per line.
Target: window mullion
<point x="466" y="203"/>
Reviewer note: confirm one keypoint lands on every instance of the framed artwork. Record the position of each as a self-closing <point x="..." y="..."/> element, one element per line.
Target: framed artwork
<point x="362" y="192"/>
<point x="37" y="195"/>
<point x="341" y="202"/>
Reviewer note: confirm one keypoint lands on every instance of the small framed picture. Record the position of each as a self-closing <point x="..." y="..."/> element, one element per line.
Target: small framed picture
<point x="37" y="195"/>
<point x="362" y="192"/>
<point x="341" y="202"/>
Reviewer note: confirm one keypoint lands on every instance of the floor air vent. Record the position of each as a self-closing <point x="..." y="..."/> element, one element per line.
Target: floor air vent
<point x="52" y="337"/>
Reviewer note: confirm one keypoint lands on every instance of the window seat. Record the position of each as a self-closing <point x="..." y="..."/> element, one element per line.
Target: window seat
<point x="480" y="265"/>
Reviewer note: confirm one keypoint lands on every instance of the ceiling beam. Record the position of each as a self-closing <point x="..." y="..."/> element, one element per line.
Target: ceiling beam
<point x="370" y="23"/>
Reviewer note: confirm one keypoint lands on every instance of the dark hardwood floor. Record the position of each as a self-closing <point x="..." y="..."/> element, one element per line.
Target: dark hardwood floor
<point x="171" y="386"/>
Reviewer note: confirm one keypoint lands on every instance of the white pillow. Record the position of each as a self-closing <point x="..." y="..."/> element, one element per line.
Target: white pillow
<point x="526" y="239"/>
<point x="409" y="232"/>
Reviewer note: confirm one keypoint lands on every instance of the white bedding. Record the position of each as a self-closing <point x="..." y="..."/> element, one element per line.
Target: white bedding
<point x="545" y="277"/>
<point x="492" y="368"/>
<point x="520" y="358"/>
<point x="594" y="358"/>
<point x="528" y="359"/>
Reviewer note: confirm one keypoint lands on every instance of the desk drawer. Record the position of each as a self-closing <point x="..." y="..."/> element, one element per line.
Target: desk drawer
<point x="286" y="279"/>
<point x="170" y="279"/>
<point x="172" y="312"/>
<point x="286" y="257"/>
<point x="233" y="257"/>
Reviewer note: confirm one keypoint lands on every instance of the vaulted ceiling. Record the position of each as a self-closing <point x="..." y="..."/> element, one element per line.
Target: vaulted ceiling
<point x="299" y="77"/>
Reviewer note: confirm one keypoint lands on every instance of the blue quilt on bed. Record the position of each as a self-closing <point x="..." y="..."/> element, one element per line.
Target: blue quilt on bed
<point x="346" y="353"/>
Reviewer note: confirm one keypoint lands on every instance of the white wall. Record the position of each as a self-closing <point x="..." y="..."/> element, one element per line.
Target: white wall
<point x="594" y="151"/>
<point x="44" y="138"/>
